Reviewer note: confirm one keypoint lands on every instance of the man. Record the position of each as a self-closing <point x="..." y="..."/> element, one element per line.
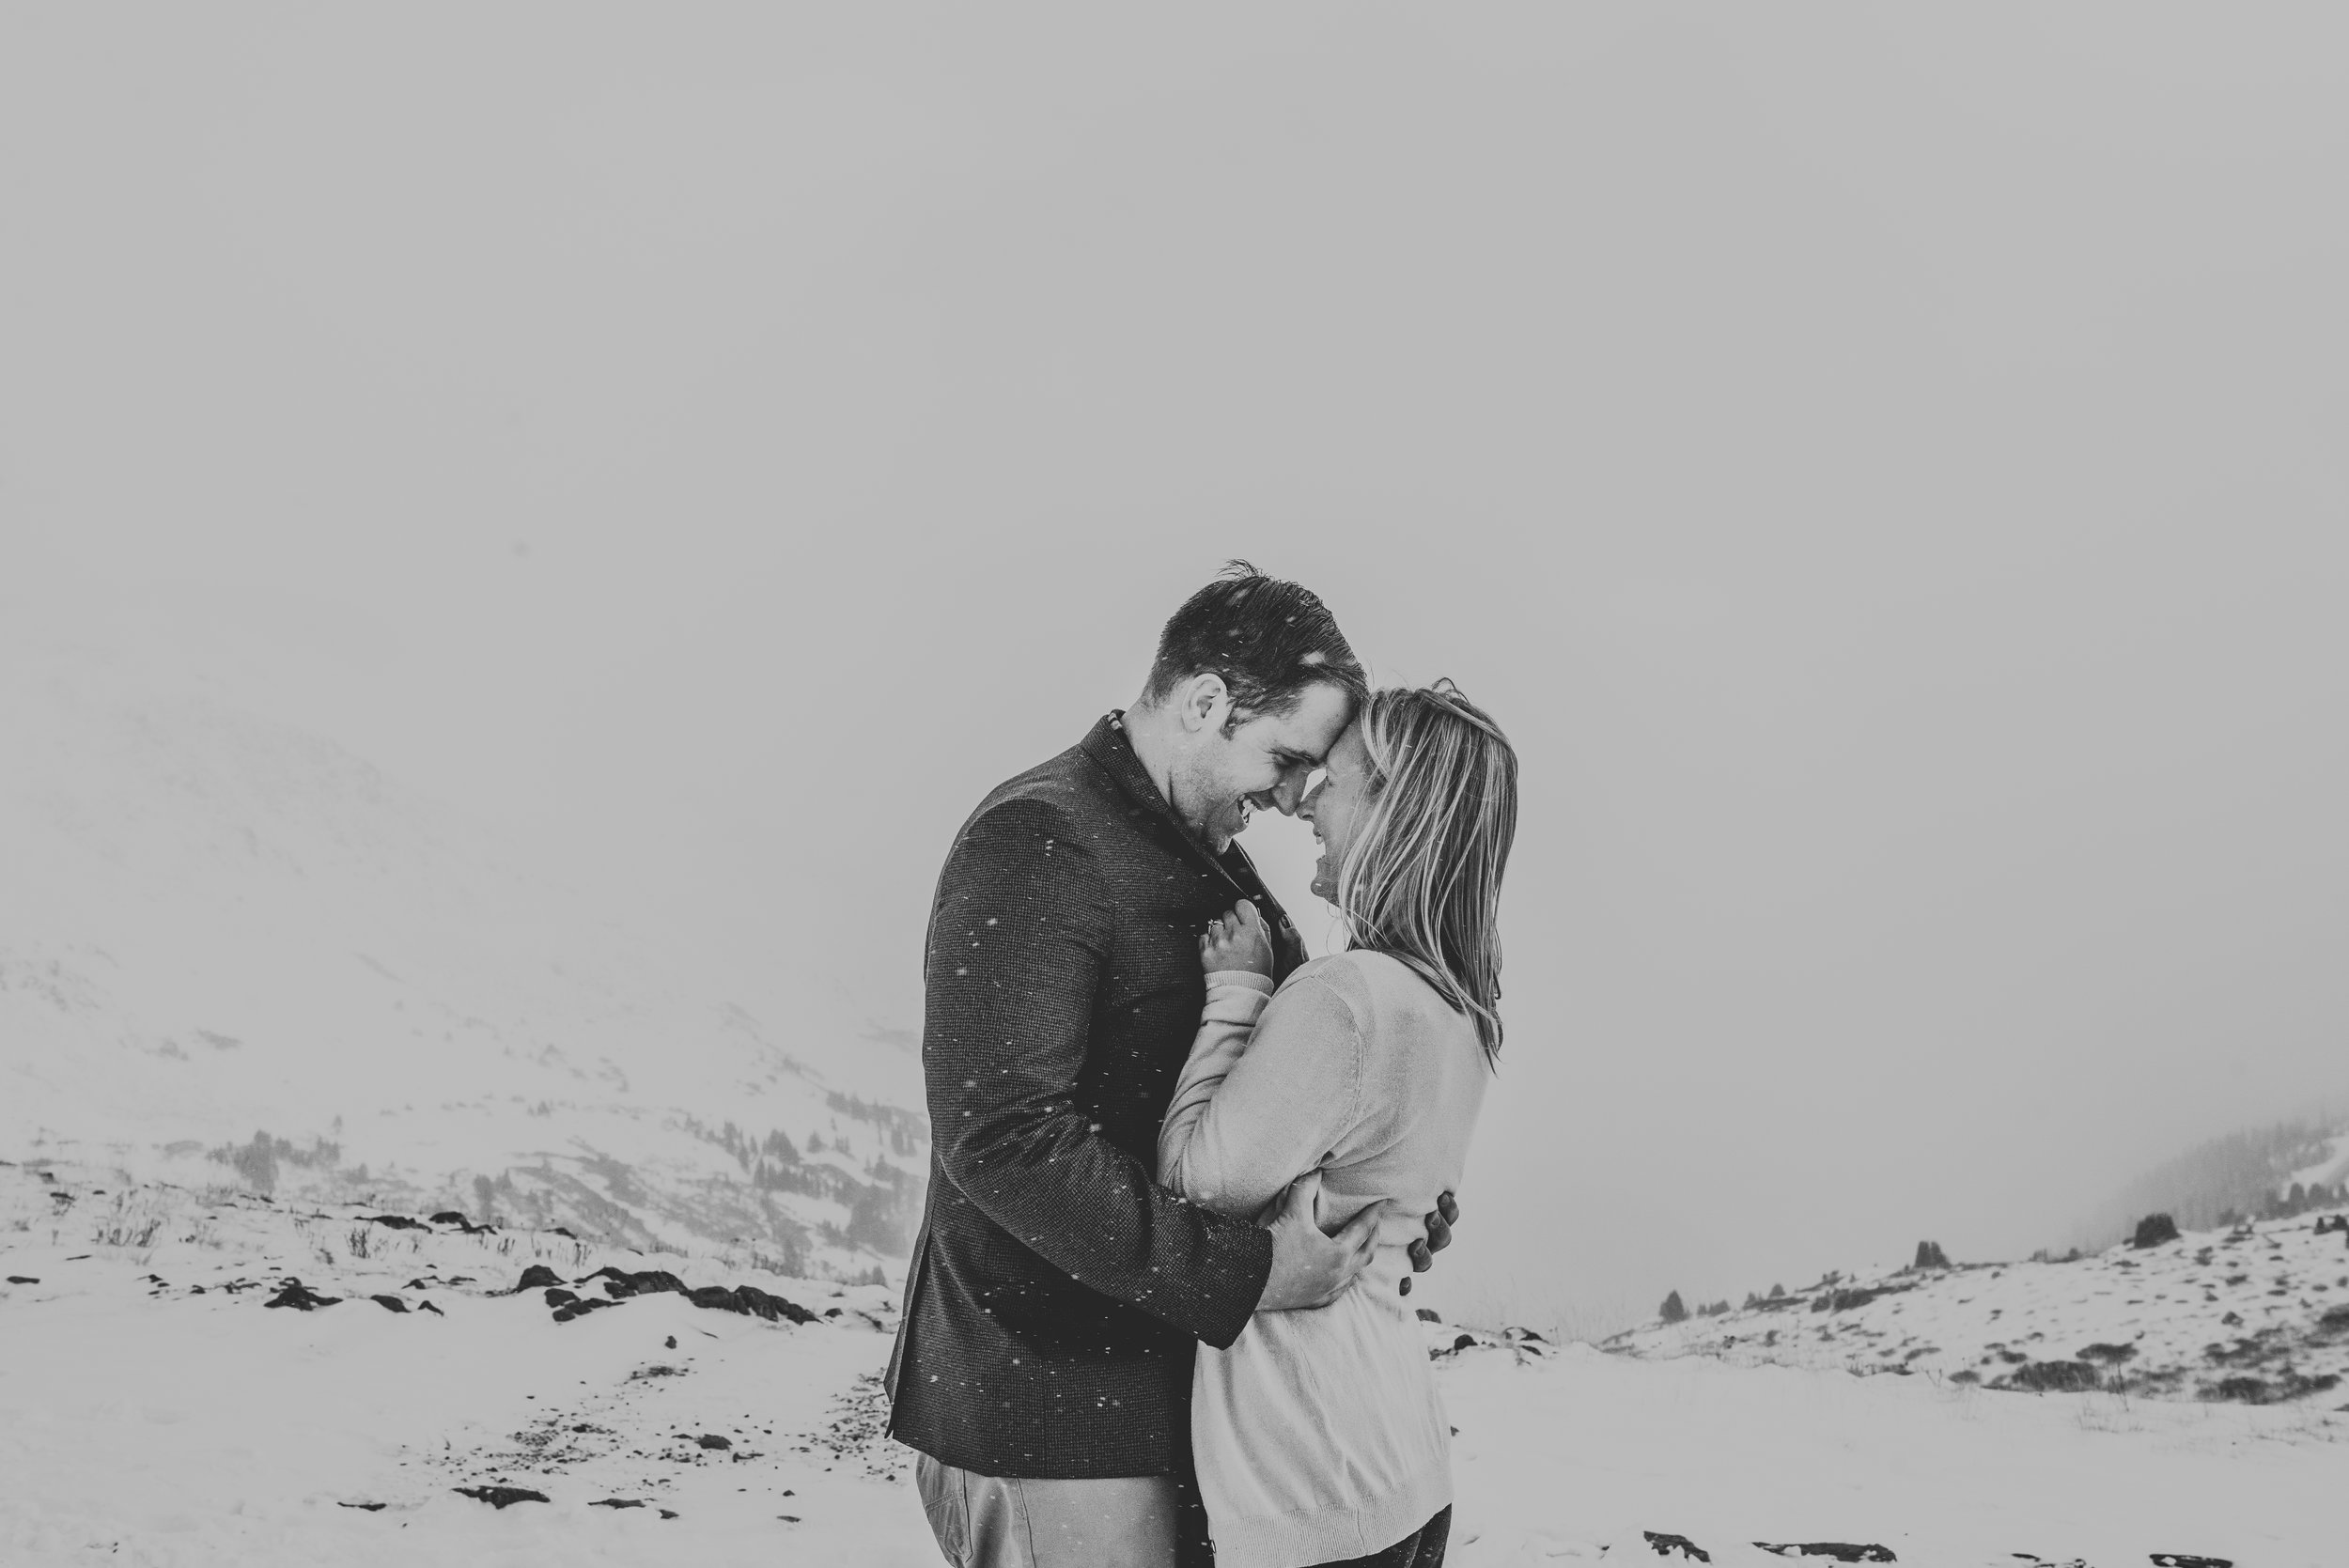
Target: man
<point x="1043" y="1366"/>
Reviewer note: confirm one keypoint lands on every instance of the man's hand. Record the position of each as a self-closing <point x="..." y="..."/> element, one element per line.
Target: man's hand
<point x="1439" y="1238"/>
<point x="1309" y="1269"/>
<point x="1238" y="939"/>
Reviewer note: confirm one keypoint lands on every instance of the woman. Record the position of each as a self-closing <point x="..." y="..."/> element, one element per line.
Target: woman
<point x="1318" y="1436"/>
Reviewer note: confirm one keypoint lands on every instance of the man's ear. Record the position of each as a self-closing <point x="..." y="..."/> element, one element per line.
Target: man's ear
<point x="1203" y="702"/>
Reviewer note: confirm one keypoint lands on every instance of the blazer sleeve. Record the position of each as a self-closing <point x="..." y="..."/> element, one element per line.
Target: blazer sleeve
<point x="1018" y="941"/>
<point x="1254" y="1110"/>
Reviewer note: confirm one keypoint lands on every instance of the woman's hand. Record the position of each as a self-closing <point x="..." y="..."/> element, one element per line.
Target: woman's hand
<point x="1238" y="940"/>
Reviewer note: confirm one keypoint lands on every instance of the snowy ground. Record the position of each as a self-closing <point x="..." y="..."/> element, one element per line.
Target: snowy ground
<point x="145" y="1420"/>
<point x="2257" y="1313"/>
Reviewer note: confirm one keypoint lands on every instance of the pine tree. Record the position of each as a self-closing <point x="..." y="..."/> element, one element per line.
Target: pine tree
<point x="1673" y="1311"/>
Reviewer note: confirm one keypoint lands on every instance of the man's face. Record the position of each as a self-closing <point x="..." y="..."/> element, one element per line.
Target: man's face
<point x="1262" y="762"/>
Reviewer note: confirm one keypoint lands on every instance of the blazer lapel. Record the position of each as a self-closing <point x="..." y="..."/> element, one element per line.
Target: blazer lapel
<point x="1107" y="745"/>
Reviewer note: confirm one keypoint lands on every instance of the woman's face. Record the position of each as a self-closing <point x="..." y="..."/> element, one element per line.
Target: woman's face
<point x="1336" y="807"/>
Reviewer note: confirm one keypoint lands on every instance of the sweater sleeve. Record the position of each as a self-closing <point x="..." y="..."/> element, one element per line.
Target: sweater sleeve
<point x="1236" y="998"/>
<point x="1254" y="1110"/>
<point x="1018" y="941"/>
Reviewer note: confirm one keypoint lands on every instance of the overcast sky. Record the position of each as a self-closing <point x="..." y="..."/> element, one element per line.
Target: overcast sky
<point x="1888" y="471"/>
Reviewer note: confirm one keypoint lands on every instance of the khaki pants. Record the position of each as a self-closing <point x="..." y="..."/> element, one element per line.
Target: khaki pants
<point x="984" y="1521"/>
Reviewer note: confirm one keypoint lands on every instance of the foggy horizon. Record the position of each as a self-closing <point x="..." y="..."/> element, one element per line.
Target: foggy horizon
<point x="1885" y="475"/>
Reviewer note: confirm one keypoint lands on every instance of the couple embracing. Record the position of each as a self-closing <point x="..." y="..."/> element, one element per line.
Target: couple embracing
<point x="1181" y="1177"/>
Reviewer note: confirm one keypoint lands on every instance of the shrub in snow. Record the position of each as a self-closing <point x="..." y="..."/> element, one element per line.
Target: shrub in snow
<point x="2153" y="1230"/>
<point x="1672" y="1311"/>
<point x="2062" y="1377"/>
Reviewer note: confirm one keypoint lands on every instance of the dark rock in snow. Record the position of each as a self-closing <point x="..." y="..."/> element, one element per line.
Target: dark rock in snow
<point x="301" y="1297"/>
<point x="2187" y="1560"/>
<point x="22" y="1279"/>
<point x="429" y="1307"/>
<point x="502" y="1497"/>
<point x="765" y="1304"/>
<point x="1667" y="1545"/>
<point x="563" y="1234"/>
<point x="1841" y="1551"/>
<point x="618" y="1282"/>
<point x="580" y="1308"/>
<point x="669" y="1343"/>
<point x="370" y="1507"/>
<point x="450" y="1216"/>
<point x="561" y="1297"/>
<point x="668" y="1513"/>
<point x="712" y="1440"/>
<point x="1466" y="1341"/>
<point x="390" y="1303"/>
<point x="1426" y="1315"/>
<point x="617" y="1502"/>
<point x="536" y="1277"/>
<point x="396" y="1222"/>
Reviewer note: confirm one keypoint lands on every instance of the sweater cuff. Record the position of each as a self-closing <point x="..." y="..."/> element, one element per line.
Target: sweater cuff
<point x="1248" y="978"/>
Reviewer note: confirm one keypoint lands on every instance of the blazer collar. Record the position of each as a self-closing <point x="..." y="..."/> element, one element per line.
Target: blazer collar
<point x="1111" y="750"/>
<point x="1108" y="745"/>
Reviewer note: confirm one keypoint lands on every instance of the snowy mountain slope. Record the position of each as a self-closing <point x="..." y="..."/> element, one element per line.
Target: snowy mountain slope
<point x="2263" y="1173"/>
<point x="214" y="926"/>
<point x="145" y="1420"/>
<point x="2257" y="1314"/>
<point x="2328" y="1167"/>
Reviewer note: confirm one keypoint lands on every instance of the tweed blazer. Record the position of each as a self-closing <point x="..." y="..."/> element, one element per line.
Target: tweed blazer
<point x="1056" y="1291"/>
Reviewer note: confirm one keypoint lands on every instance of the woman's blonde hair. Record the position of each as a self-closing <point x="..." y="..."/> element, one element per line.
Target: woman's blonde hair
<point x="1420" y="881"/>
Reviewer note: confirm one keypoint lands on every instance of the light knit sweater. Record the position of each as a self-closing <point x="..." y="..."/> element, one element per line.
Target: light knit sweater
<point x="1318" y="1434"/>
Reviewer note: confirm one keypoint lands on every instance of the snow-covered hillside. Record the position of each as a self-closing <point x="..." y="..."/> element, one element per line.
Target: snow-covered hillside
<point x="232" y="951"/>
<point x="2257" y="1313"/>
<point x="157" y="1410"/>
<point x="2275" y="1171"/>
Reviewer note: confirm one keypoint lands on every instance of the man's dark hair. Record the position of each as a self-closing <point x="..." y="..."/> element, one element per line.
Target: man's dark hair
<point x="1270" y="640"/>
